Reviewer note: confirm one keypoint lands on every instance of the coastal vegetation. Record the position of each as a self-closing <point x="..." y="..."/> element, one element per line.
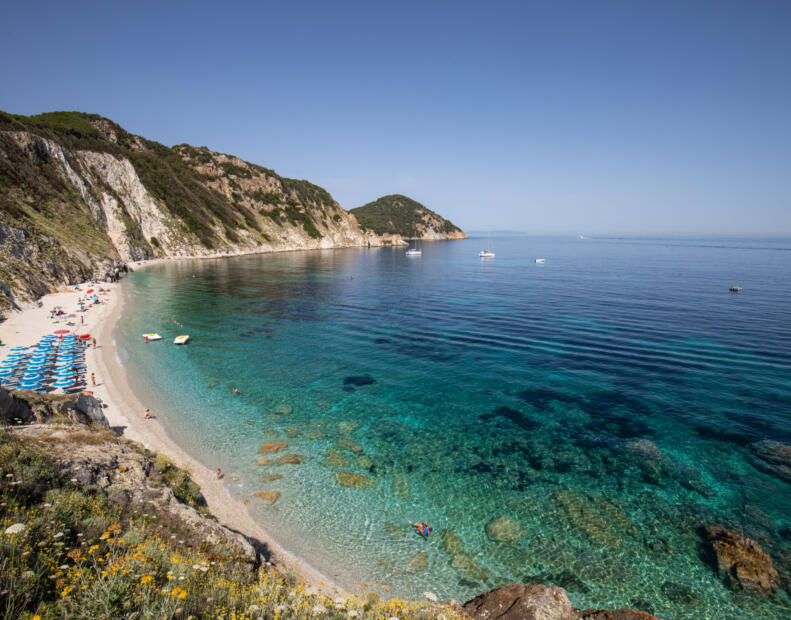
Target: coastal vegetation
<point x="399" y="215"/>
<point x="79" y="540"/>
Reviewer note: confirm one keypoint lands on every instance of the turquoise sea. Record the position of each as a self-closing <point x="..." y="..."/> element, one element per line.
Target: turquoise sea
<point x="604" y="401"/>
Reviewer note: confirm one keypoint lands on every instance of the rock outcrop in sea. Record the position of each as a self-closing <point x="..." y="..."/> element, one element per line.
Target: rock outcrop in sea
<point x="741" y="561"/>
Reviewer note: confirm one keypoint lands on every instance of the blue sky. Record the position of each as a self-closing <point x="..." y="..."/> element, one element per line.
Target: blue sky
<point x="593" y="117"/>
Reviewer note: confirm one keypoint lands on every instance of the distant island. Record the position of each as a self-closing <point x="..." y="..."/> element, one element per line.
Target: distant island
<point x="396" y="214"/>
<point x="81" y="197"/>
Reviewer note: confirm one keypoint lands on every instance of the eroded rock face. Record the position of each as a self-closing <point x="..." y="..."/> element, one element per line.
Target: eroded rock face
<point x="740" y="560"/>
<point x="26" y="407"/>
<point x="504" y="530"/>
<point x="772" y="457"/>
<point x="521" y="602"/>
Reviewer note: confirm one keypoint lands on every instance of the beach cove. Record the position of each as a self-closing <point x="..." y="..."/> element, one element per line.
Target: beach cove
<point x="125" y="413"/>
<point x="417" y="390"/>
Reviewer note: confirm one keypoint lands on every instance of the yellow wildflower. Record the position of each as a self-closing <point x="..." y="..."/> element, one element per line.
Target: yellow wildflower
<point x="93" y="548"/>
<point x="146" y="579"/>
<point x="66" y="590"/>
<point x="174" y="559"/>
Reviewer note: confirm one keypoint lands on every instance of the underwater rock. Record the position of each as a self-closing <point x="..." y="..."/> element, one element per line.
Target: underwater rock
<point x="250" y="422"/>
<point x="772" y="457"/>
<point x="271" y="432"/>
<point x="283" y="409"/>
<point x="359" y="380"/>
<point x="348" y="388"/>
<point x="356" y="481"/>
<point x="293" y="431"/>
<point x="269" y="447"/>
<point x="401" y="488"/>
<point x="334" y="458"/>
<point x="289" y="459"/>
<point x="269" y="477"/>
<point x="268" y="496"/>
<point x="395" y="531"/>
<point x="679" y="593"/>
<point x="503" y="529"/>
<point x="615" y="614"/>
<point x="347" y="428"/>
<point x="452" y="543"/>
<point x="592" y="515"/>
<point x="212" y="383"/>
<point x="264" y="461"/>
<point x="314" y="435"/>
<point x="417" y="562"/>
<point x="348" y="444"/>
<point x="741" y="561"/>
<point x="364" y="462"/>
<point x="461" y="562"/>
<point x="521" y="602"/>
<point x="645" y="448"/>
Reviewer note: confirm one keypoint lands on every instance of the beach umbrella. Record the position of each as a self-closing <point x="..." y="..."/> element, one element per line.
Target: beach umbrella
<point x="18" y="349"/>
<point x="61" y="331"/>
<point x="30" y="385"/>
<point x="63" y="383"/>
<point x="32" y="377"/>
<point x="6" y="373"/>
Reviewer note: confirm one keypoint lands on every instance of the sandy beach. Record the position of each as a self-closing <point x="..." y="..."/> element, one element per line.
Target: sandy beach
<point x="125" y="409"/>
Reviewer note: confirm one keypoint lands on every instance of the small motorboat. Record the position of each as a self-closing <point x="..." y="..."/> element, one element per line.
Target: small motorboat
<point x="485" y="254"/>
<point x="181" y="339"/>
<point x="413" y="252"/>
<point x="541" y="260"/>
<point x="736" y="289"/>
<point x="151" y="337"/>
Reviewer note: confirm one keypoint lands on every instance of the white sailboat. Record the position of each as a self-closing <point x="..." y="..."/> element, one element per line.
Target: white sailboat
<point x="416" y="250"/>
<point x="487" y="253"/>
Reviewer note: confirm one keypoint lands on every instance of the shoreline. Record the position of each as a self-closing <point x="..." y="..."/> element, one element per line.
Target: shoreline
<point x="124" y="412"/>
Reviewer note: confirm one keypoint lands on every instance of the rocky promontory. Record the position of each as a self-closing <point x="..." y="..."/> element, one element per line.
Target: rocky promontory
<point x="81" y="197"/>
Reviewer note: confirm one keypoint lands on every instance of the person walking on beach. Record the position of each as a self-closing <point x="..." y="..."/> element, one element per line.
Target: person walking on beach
<point x="148" y="415"/>
<point x="219" y="474"/>
<point x="93" y="379"/>
<point x="93" y="341"/>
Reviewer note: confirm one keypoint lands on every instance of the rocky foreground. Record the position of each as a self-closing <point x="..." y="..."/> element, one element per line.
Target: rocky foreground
<point x="83" y="511"/>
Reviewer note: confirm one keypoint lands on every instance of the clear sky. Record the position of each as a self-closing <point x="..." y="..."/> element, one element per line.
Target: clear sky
<point x="623" y="117"/>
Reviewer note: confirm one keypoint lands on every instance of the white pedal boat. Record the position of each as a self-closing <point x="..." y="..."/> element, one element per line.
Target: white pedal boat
<point x="151" y="337"/>
<point x="181" y="339"/>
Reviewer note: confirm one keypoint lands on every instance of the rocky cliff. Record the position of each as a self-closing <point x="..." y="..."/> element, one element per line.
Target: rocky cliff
<point x="80" y="197"/>
<point x="399" y="215"/>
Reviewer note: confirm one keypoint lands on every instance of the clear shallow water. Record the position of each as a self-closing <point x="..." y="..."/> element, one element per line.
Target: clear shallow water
<point x="500" y="388"/>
